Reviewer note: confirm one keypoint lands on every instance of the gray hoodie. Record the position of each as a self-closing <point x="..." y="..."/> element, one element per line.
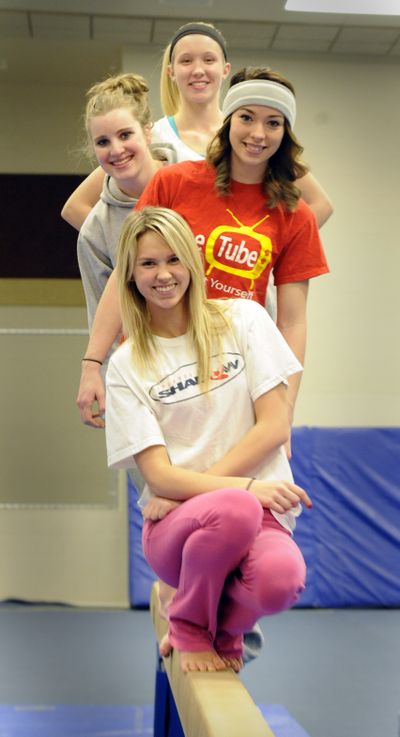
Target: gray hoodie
<point x="99" y="234"/>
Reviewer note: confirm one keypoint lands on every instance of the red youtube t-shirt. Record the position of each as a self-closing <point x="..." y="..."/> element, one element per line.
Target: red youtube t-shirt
<point x="240" y="237"/>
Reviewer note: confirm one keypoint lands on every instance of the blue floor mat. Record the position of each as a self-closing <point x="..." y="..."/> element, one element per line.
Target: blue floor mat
<point x="281" y="723"/>
<point x="109" y="721"/>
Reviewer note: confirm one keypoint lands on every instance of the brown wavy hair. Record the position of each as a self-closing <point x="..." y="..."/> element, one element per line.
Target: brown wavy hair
<point x="283" y="168"/>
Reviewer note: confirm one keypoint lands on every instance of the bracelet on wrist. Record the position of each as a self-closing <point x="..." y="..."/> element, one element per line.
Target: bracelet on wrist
<point x="93" y="360"/>
<point x="250" y="483"/>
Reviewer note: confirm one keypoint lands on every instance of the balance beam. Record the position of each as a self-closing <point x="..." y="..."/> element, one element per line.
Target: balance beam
<point x="209" y="704"/>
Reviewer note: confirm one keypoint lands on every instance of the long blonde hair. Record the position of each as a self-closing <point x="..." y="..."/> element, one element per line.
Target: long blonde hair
<point x="207" y="319"/>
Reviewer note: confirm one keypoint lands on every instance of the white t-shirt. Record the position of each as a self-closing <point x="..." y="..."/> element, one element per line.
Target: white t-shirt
<point x="164" y="132"/>
<point x="197" y="426"/>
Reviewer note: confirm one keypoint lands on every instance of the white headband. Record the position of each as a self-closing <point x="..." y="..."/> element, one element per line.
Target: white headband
<point x="261" y="92"/>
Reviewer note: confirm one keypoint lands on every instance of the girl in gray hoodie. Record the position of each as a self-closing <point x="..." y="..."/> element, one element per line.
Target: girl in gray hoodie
<point x="118" y="127"/>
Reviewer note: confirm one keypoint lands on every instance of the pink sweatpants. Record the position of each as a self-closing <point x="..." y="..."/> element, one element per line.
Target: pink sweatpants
<point x="231" y="563"/>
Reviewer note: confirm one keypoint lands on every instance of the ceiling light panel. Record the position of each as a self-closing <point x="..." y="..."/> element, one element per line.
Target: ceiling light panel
<point x="291" y="37"/>
<point x="13" y="24"/>
<point x="60" y="26"/>
<point x="365" y="40"/>
<point x="165" y="29"/>
<point x="185" y="4"/>
<point x="348" y="7"/>
<point x="248" y="35"/>
<point x="123" y="30"/>
<point x="311" y="32"/>
<point x="395" y="50"/>
<point x="238" y="35"/>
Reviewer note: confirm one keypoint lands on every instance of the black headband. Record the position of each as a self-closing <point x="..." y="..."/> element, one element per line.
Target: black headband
<point x="202" y="30"/>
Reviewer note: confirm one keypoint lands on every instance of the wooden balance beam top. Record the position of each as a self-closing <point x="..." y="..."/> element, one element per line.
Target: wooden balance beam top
<point x="209" y="704"/>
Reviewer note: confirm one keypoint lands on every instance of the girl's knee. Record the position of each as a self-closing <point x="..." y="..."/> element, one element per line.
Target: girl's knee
<point x="240" y="511"/>
<point x="284" y="595"/>
<point x="281" y="585"/>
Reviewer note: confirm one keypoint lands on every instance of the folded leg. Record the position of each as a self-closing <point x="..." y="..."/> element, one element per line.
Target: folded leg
<point x="269" y="580"/>
<point x="195" y="548"/>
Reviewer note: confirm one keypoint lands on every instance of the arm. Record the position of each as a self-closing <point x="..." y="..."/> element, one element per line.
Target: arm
<point x="95" y="264"/>
<point x="316" y="198"/>
<point x="179" y="484"/>
<point x="83" y="199"/>
<point x="105" y="330"/>
<point x="271" y="429"/>
<point x="134" y="429"/>
<point x="292" y="322"/>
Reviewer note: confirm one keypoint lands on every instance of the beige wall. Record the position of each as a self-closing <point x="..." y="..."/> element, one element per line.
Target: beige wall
<point x="349" y="113"/>
<point x="63" y="515"/>
<point x="348" y="122"/>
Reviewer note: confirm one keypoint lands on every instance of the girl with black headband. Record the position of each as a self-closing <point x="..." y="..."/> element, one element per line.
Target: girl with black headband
<point x="194" y="67"/>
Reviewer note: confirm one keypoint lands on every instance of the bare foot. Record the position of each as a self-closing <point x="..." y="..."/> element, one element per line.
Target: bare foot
<point x="205" y="661"/>
<point x="235" y="663"/>
<point x="165" y="646"/>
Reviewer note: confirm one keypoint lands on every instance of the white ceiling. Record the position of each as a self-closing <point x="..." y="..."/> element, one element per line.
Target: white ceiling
<point x="262" y="24"/>
<point x="246" y="24"/>
<point x="256" y="10"/>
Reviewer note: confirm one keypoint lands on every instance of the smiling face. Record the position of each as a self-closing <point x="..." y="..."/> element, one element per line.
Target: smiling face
<point x="160" y="277"/>
<point x="198" y="68"/>
<point x="120" y="144"/>
<point x="256" y="132"/>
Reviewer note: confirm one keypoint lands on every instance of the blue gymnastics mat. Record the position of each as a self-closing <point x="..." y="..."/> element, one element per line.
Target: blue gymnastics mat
<point x="109" y="721"/>
<point x="351" y="537"/>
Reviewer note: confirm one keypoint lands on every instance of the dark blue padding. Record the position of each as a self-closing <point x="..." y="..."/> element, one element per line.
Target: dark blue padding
<point x="351" y="537"/>
<point x="141" y="576"/>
